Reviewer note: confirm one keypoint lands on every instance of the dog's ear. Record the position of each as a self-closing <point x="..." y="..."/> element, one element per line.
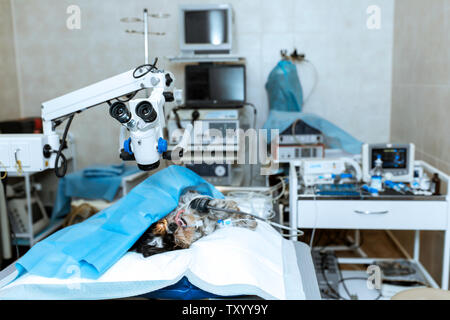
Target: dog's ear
<point x="160" y="227"/>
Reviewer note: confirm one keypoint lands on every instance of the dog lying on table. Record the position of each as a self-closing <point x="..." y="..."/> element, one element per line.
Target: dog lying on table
<point x="184" y="226"/>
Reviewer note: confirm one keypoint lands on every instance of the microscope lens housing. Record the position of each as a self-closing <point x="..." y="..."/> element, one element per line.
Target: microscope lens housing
<point x="146" y="112"/>
<point x="120" y="112"/>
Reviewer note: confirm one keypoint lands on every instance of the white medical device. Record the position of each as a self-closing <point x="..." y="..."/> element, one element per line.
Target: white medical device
<point x="19" y="215"/>
<point x="397" y="161"/>
<point x="144" y="120"/>
<point x="327" y="171"/>
<point x="287" y="153"/>
<point x="206" y="29"/>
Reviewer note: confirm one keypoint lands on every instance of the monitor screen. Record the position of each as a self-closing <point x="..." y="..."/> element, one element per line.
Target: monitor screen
<point x="206" y="27"/>
<point x="393" y="158"/>
<point x="215" y="84"/>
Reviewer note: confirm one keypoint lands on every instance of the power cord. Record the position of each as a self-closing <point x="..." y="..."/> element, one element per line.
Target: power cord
<point x="151" y="67"/>
<point x="336" y="294"/>
<point x="342" y="280"/>
<point x="316" y="80"/>
<point x="129" y="97"/>
<point x="59" y="154"/>
<point x="255" y="112"/>
<point x="351" y="296"/>
<point x="177" y="117"/>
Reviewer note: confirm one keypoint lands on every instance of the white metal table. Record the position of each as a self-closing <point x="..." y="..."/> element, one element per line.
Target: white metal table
<point x="375" y="213"/>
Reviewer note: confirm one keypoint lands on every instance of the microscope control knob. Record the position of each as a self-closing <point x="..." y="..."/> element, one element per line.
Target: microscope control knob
<point x="168" y="96"/>
<point x="47" y="151"/>
<point x="154" y="81"/>
<point x="169" y="80"/>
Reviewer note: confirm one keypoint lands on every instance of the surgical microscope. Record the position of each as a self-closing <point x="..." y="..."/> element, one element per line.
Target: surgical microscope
<point x="143" y="118"/>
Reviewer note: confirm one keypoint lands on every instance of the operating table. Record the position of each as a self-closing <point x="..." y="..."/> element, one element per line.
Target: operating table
<point x="304" y="264"/>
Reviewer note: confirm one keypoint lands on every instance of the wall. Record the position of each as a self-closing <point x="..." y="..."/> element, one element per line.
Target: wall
<point x="421" y="96"/>
<point x="9" y="92"/>
<point x="421" y="79"/>
<point x="353" y="63"/>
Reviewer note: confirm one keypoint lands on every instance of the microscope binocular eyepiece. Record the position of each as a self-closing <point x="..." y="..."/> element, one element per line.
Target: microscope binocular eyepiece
<point x="120" y="112"/>
<point x="146" y="112"/>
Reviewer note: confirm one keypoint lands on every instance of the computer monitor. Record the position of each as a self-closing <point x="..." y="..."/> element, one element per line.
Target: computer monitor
<point x="205" y="29"/>
<point x="397" y="160"/>
<point x="212" y="85"/>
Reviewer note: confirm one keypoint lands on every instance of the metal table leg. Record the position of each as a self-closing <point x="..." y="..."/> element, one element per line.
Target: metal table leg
<point x="446" y="261"/>
<point x="29" y="208"/>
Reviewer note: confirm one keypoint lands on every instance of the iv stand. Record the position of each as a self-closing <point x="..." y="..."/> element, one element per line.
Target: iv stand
<point x="145" y="36"/>
<point x="146" y="33"/>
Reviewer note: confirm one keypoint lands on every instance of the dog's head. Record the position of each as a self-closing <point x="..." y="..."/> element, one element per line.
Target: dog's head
<point x="181" y="226"/>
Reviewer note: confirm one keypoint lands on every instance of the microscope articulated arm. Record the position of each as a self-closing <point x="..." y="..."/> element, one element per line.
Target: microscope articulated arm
<point x="144" y="118"/>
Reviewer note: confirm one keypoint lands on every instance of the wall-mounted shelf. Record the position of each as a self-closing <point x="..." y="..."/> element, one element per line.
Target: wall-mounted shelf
<point x="206" y="58"/>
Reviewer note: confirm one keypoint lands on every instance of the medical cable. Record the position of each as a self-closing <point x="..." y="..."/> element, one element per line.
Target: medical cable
<point x="177" y="117"/>
<point x="228" y="222"/>
<point x="317" y="240"/>
<point x="316" y="213"/>
<point x="266" y="193"/>
<point x="316" y="81"/>
<point x="293" y="133"/>
<point x="202" y="206"/>
<point x="151" y="67"/>
<point x="283" y="189"/>
<point x="255" y="112"/>
<point x="4" y="174"/>
<point x="342" y="280"/>
<point x="59" y="154"/>
<point x="183" y="209"/>
<point x="247" y="197"/>
<point x="129" y="97"/>
<point x="277" y="225"/>
<point x="322" y="264"/>
<point x="186" y="207"/>
<point x="345" y="286"/>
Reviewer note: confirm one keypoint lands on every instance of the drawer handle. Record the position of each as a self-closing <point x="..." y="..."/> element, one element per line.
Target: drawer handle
<point x="371" y="212"/>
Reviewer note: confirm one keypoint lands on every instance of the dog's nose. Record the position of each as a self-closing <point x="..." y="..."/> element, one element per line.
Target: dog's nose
<point x="173" y="227"/>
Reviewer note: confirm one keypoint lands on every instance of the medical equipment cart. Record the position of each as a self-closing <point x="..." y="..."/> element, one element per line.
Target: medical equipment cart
<point x="383" y="212"/>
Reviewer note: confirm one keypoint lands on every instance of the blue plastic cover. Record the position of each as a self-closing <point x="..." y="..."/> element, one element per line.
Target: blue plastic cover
<point x="284" y="88"/>
<point x="335" y="137"/>
<point x="97" y="182"/>
<point x="93" y="246"/>
<point x="182" y="290"/>
<point x="101" y="171"/>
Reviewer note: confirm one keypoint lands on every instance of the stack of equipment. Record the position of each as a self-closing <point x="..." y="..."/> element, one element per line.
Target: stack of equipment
<point x="300" y="141"/>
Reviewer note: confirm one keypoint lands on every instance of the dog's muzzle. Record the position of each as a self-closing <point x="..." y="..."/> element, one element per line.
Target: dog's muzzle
<point x="172" y="227"/>
<point x="178" y="220"/>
